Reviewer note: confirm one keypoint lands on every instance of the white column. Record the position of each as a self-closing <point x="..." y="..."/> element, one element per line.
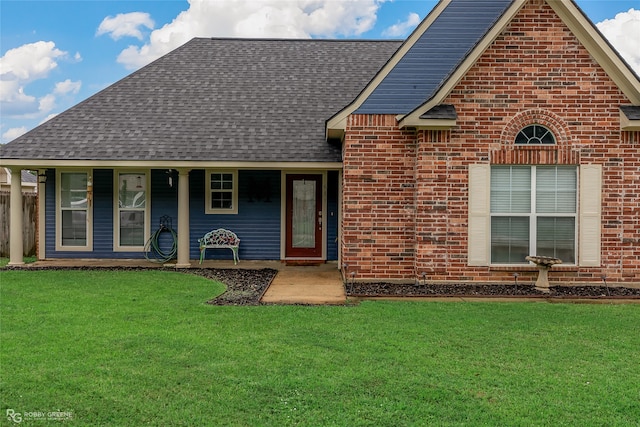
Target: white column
<point x="183" y="219"/>
<point x="42" y="197"/>
<point x="16" y="248"/>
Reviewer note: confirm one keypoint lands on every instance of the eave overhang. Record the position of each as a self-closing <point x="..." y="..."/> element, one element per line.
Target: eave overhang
<point x="167" y="164"/>
<point x="630" y="118"/>
<point x="440" y="117"/>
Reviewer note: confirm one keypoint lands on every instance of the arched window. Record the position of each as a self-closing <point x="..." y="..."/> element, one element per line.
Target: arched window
<point x="535" y="135"/>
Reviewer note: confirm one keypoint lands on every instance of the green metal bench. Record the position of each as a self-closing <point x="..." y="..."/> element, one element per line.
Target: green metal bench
<point x="220" y="239"/>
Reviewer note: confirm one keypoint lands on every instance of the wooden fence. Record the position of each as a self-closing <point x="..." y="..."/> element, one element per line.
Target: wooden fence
<point x="29" y="212"/>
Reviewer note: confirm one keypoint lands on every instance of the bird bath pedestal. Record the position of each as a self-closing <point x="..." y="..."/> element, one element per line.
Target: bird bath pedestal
<point x="544" y="264"/>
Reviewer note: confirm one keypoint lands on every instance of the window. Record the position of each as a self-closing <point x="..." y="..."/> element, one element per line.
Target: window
<point x="535" y="135"/>
<point x="131" y="213"/>
<point x="73" y="221"/>
<point x="589" y="215"/>
<point x="533" y="212"/>
<point x="221" y="192"/>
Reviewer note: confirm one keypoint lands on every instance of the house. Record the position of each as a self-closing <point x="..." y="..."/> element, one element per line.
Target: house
<point x="29" y="181"/>
<point x="498" y="129"/>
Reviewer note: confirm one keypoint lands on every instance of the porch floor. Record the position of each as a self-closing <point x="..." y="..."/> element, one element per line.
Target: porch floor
<point x="319" y="284"/>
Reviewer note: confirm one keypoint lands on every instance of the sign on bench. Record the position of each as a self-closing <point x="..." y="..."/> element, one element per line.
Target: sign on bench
<point x="220" y="239"/>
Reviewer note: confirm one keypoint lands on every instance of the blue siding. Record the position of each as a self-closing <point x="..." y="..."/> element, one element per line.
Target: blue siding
<point x="332" y="215"/>
<point x="49" y="215"/>
<point x="257" y="223"/>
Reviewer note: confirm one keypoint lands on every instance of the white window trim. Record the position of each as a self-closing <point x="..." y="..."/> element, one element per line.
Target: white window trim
<point x="66" y="248"/>
<point x="533" y="215"/>
<point x="116" y="210"/>
<point x="208" y="190"/>
<point x="589" y="216"/>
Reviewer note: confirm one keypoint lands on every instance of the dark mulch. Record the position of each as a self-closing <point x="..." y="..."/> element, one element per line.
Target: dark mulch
<point x="486" y="290"/>
<point x="246" y="287"/>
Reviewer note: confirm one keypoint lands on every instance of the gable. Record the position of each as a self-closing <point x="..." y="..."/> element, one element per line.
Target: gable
<point x="536" y="71"/>
<point x="577" y="27"/>
<point x="434" y="56"/>
<point x="448" y="43"/>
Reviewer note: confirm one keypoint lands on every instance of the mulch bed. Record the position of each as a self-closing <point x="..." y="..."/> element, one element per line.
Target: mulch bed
<point x="246" y="287"/>
<point x="486" y="290"/>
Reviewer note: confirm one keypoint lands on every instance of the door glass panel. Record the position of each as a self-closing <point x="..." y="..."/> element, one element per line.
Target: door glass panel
<point x="304" y="219"/>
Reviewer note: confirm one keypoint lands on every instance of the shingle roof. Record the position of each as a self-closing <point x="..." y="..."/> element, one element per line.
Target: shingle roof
<point x="632" y="112"/>
<point x="216" y="100"/>
<point x="28" y="177"/>
<point x="434" y="56"/>
<point x="442" y="111"/>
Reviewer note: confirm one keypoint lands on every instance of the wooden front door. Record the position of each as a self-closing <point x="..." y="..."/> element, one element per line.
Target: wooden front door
<point x="304" y="216"/>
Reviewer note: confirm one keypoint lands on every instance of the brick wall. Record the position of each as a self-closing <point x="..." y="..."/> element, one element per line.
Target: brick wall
<point x="415" y="183"/>
<point x="378" y="198"/>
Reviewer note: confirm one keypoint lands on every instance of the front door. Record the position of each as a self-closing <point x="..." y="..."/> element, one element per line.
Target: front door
<point x="304" y="216"/>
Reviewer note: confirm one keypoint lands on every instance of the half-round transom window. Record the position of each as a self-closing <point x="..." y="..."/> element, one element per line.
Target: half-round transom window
<point x="535" y="135"/>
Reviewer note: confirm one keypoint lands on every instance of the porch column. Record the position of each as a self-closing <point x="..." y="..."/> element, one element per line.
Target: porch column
<point x="183" y="219"/>
<point x="16" y="248"/>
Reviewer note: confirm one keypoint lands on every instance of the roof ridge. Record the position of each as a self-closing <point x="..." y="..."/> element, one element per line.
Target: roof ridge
<point x="276" y="39"/>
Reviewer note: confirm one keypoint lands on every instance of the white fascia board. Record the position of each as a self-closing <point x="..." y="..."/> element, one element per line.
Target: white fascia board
<point x="160" y="164"/>
<point x="627" y="124"/>
<point x="429" y="124"/>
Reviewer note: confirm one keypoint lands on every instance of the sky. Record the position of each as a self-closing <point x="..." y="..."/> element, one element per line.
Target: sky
<point x="54" y="54"/>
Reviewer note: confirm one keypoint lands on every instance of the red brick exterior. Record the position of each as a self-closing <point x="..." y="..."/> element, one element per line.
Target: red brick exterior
<point x="405" y="192"/>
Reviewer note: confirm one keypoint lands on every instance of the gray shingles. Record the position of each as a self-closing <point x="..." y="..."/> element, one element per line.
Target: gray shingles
<point x="216" y="100"/>
<point x="442" y="111"/>
<point x="632" y="112"/>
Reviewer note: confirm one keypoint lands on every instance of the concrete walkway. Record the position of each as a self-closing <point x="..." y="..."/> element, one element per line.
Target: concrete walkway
<point x="320" y="284"/>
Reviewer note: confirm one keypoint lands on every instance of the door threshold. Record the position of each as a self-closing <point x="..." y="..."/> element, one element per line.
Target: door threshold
<point x="304" y="262"/>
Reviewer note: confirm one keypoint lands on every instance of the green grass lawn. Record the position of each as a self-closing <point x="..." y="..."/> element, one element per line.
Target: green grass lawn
<point x="142" y="348"/>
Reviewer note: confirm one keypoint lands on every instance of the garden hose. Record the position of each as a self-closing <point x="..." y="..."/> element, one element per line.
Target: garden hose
<point x="152" y="250"/>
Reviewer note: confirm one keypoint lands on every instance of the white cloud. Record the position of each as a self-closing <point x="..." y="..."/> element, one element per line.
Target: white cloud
<point x="623" y="32"/>
<point x="256" y="18"/>
<point x="125" y="25"/>
<point x="30" y="61"/>
<point x="49" y="117"/>
<point x="21" y="66"/>
<point x="13" y="133"/>
<point x="402" y="28"/>
<point x="67" y="86"/>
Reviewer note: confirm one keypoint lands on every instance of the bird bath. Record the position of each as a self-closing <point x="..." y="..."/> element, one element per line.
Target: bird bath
<point x="544" y="264"/>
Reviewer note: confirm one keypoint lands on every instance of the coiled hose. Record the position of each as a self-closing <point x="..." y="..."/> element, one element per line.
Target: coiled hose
<point x="152" y="250"/>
